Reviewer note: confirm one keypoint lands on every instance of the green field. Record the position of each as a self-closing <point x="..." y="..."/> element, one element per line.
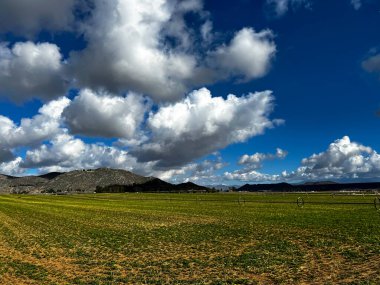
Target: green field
<point x="189" y="239"/>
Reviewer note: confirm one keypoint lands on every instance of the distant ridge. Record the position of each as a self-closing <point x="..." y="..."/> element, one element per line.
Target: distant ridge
<point x="153" y="185"/>
<point x="320" y="183"/>
<point x="190" y="186"/>
<point x="267" y="187"/>
<point x="108" y="180"/>
<point x="89" y="181"/>
<point x="310" y="186"/>
<point x="51" y="175"/>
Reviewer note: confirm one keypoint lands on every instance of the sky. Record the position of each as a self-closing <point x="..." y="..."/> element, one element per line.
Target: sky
<point x="212" y="92"/>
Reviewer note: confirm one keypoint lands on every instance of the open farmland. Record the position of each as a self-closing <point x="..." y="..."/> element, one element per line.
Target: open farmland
<point x="189" y="239"/>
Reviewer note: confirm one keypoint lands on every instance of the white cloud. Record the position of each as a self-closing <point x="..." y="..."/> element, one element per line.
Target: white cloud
<point x="372" y="64"/>
<point x="63" y="148"/>
<point x="125" y="50"/>
<point x="165" y="144"/>
<point x="42" y="126"/>
<point x="281" y="7"/>
<point x="206" y="32"/>
<point x="201" y="124"/>
<point x="356" y="4"/>
<point x="343" y="159"/>
<point x="251" y="164"/>
<point x="250" y="176"/>
<point x="248" y="55"/>
<point x="176" y="26"/>
<point x="65" y="153"/>
<point x="105" y="115"/>
<point x="174" y="175"/>
<point x="31" y="70"/>
<point x="255" y="160"/>
<point x="147" y="47"/>
<point x="27" y="17"/>
<point x="137" y="46"/>
<point x="12" y="167"/>
<point x="203" y="172"/>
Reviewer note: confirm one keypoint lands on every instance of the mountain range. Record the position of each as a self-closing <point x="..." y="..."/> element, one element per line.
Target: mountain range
<point x="106" y="180"/>
<point x="311" y="186"/>
<point x="90" y="181"/>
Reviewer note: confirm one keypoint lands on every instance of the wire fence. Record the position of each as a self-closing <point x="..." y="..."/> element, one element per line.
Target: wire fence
<point x="300" y="201"/>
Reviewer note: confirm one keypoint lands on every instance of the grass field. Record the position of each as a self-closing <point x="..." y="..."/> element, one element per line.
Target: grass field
<point x="188" y="239"/>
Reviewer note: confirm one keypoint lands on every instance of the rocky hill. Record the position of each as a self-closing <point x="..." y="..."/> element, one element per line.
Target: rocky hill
<point x="27" y="184"/>
<point x="89" y="181"/>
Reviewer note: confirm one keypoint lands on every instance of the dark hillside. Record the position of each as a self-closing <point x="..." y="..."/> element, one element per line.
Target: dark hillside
<point x="89" y="180"/>
<point x="152" y="185"/>
<point x="307" y="187"/>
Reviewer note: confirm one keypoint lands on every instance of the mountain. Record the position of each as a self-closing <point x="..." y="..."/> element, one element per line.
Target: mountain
<point x="190" y="186"/>
<point x="308" y="187"/>
<point x="88" y="181"/>
<point x="3" y="177"/>
<point x="27" y="184"/>
<point x="50" y="175"/>
<point x="152" y="185"/>
<point x="319" y="183"/>
<point x="267" y="187"/>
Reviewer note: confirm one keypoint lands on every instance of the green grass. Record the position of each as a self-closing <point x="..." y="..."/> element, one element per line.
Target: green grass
<point x="189" y="239"/>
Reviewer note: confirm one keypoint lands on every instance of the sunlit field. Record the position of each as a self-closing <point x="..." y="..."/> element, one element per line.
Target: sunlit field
<point x="189" y="239"/>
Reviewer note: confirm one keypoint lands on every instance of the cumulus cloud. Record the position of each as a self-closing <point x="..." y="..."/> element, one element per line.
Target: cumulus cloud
<point x="105" y="115"/>
<point x="6" y="155"/>
<point x="65" y="152"/>
<point x="203" y="172"/>
<point x="255" y="160"/>
<point x="281" y="7"/>
<point x="147" y="47"/>
<point x="125" y="50"/>
<point x="27" y="17"/>
<point x="167" y="140"/>
<point x="251" y="164"/>
<point x="30" y="131"/>
<point x="343" y="159"/>
<point x="31" y="70"/>
<point x="372" y="64"/>
<point x="248" y="55"/>
<point x="250" y="176"/>
<point x="12" y="167"/>
<point x="63" y="148"/>
<point x="176" y="27"/>
<point x="356" y="4"/>
<point x="201" y="124"/>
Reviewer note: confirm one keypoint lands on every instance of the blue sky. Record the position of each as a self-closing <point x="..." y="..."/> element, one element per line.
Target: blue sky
<point x="144" y="86"/>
